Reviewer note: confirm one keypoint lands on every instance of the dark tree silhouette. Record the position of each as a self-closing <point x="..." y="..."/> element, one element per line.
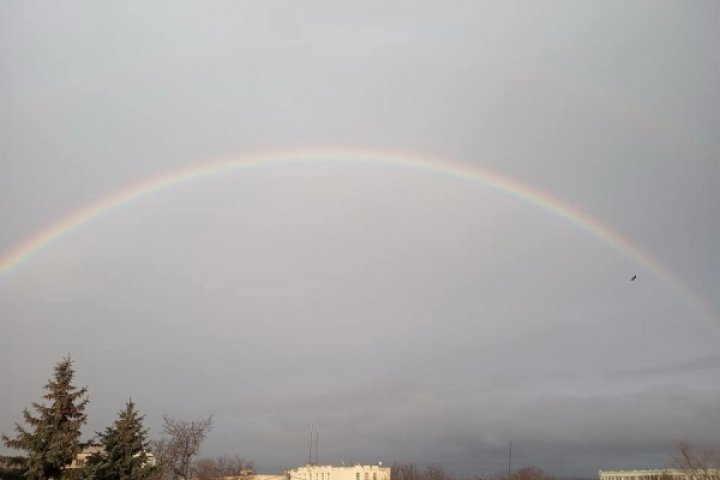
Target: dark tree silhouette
<point x="126" y="447"/>
<point x="52" y="437"/>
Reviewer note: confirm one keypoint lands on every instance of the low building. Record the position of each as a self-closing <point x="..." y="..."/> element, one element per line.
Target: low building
<point x="90" y="449"/>
<point x="269" y="477"/>
<point x="85" y="453"/>
<point x="333" y="472"/>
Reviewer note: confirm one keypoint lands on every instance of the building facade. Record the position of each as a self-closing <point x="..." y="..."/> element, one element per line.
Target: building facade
<point x="82" y="457"/>
<point x="333" y="472"/>
<point x="91" y="449"/>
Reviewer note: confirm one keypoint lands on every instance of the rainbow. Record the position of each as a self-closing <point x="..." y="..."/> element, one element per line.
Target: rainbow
<point x="150" y="186"/>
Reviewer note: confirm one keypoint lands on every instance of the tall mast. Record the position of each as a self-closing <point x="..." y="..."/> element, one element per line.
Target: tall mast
<point x="510" y="461"/>
<point x="310" y="446"/>
<point x="317" y="434"/>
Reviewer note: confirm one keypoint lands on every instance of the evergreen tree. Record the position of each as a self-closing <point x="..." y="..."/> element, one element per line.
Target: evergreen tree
<point x="51" y="441"/>
<point x="126" y="449"/>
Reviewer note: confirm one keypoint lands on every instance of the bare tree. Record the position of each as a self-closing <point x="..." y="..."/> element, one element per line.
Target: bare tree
<point x="405" y="471"/>
<point x="180" y="444"/>
<point x="207" y="469"/>
<point x="435" y="472"/>
<point x="700" y="464"/>
<point x="524" y="473"/>
<point x="530" y="473"/>
<point x="410" y="471"/>
<point x="236" y="468"/>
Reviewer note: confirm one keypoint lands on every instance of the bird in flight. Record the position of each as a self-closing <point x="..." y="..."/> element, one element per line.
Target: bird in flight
<point x="633" y="278"/>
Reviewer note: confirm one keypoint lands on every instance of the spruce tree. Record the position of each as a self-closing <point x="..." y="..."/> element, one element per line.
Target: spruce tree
<point x="52" y="438"/>
<point x="126" y="449"/>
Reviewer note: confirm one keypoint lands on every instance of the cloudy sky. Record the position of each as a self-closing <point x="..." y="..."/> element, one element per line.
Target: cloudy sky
<point x="414" y="316"/>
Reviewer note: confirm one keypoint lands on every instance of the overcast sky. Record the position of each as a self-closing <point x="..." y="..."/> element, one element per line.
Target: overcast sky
<point x="414" y="317"/>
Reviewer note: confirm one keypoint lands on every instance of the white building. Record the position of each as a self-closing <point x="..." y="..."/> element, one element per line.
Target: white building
<point x="91" y="449"/>
<point x="84" y="455"/>
<point x="332" y="472"/>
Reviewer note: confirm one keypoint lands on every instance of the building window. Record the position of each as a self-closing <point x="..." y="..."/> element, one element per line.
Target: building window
<point x="357" y="475"/>
<point x="374" y="475"/>
<point x="367" y="476"/>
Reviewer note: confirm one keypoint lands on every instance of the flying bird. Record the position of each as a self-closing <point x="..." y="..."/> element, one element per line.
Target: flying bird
<point x="633" y="278"/>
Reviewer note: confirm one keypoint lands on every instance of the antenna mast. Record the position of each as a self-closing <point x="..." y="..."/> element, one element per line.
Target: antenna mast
<point x="317" y="434"/>
<point x="510" y="460"/>
<point x="310" y="449"/>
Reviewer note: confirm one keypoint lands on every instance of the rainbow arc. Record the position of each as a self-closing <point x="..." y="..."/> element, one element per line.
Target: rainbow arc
<point x="504" y="185"/>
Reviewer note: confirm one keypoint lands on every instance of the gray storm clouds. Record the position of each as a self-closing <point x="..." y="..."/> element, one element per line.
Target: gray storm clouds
<point x="414" y="317"/>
